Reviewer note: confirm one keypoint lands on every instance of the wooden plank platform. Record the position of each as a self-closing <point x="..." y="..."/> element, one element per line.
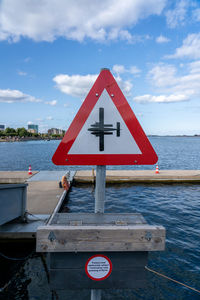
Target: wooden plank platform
<point x="111" y="232"/>
<point x="140" y="176"/>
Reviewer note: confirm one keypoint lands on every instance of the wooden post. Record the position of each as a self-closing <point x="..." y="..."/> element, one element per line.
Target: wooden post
<point x="99" y="208"/>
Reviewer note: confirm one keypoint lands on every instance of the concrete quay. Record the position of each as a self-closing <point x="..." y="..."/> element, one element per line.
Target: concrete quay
<point x="140" y="176"/>
<point x="15" y="176"/>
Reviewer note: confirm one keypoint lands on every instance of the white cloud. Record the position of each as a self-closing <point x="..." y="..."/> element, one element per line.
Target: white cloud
<point x="125" y="86"/>
<point x="47" y="20"/>
<point x="172" y="87"/>
<point x="196" y="14"/>
<point x="11" y="96"/>
<point x="79" y="85"/>
<point x="165" y="77"/>
<point x="177" y="16"/>
<point x="190" y="47"/>
<point x="29" y="123"/>
<point x="52" y="103"/>
<point x="49" y="118"/>
<point x="75" y="85"/>
<point x="120" y="69"/>
<point x="161" y="98"/>
<point x="162" y="75"/>
<point x="162" y="39"/>
<point x="194" y="67"/>
<point x="134" y="70"/>
<point x="21" y="73"/>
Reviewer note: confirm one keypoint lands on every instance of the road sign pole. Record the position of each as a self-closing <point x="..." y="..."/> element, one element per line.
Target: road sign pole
<point x="99" y="207"/>
<point x="100" y="189"/>
<point x="95" y="294"/>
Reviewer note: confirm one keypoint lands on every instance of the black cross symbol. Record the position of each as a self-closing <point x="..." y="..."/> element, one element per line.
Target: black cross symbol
<point x="100" y="129"/>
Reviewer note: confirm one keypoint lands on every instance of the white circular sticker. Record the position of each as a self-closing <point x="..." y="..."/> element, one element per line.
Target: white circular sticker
<point x="98" y="267"/>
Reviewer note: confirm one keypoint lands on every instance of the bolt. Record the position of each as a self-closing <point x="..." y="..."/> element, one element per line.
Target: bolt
<point x="148" y="236"/>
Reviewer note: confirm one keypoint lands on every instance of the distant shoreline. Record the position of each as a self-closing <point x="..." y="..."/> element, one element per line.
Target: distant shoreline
<point x="27" y="139"/>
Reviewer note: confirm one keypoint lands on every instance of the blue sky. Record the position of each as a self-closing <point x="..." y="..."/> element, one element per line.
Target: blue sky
<point x="51" y="52"/>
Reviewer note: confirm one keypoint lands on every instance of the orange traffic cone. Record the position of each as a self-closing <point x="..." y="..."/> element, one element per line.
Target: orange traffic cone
<point x="29" y="170"/>
<point x="157" y="170"/>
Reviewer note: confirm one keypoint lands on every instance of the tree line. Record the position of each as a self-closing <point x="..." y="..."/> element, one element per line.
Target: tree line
<point x="22" y="132"/>
<point x="17" y="132"/>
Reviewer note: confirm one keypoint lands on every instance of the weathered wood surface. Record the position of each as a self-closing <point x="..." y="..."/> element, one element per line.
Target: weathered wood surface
<point x="143" y="237"/>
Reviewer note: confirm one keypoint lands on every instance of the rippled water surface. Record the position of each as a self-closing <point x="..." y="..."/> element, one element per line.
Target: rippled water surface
<point x="176" y="207"/>
<point x="173" y="153"/>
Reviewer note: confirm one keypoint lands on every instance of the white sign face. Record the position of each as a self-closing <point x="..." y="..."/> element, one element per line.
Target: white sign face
<point x="98" y="267"/>
<point x="113" y="143"/>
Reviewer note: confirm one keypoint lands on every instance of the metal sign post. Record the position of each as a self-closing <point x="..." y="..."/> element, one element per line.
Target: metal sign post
<point x="100" y="189"/>
<point x="99" y="208"/>
<point x="86" y="249"/>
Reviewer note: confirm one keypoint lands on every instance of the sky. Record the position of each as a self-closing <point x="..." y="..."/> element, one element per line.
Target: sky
<point x="51" y="52"/>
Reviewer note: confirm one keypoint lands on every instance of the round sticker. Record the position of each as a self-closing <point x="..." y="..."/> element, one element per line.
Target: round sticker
<point x="98" y="267"/>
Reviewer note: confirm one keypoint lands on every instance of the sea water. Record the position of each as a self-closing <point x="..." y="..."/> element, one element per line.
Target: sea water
<point x="175" y="206"/>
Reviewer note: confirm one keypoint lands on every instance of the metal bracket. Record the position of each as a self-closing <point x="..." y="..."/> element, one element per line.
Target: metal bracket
<point x="51" y="236"/>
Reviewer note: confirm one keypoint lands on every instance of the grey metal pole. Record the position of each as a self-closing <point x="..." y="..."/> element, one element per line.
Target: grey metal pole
<point x="100" y="190"/>
<point x="95" y="294"/>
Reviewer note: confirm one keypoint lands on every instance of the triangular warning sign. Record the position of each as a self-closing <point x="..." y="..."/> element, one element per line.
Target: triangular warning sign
<point x="105" y="131"/>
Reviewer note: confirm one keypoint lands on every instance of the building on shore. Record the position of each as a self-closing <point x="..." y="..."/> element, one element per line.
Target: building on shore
<point x="2" y="127"/>
<point x="32" y="128"/>
<point x="55" y="131"/>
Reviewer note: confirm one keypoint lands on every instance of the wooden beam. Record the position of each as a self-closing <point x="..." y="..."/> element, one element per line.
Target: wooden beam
<point x="143" y="237"/>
